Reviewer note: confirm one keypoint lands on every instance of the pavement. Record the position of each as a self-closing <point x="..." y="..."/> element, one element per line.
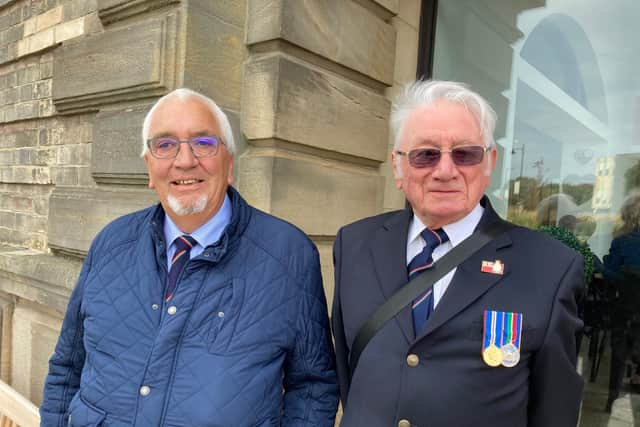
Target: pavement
<point x="625" y="410"/>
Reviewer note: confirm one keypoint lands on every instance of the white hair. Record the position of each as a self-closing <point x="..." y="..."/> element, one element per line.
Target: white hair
<point x="427" y="92"/>
<point x="422" y="93"/>
<point x="184" y="94"/>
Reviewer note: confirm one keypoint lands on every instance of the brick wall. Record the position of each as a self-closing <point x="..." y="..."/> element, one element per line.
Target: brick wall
<point x="39" y="151"/>
<point x="38" y="148"/>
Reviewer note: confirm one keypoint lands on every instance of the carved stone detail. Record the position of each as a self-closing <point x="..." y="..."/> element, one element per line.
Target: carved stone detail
<point x="115" y="156"/>
<point x="97" y="70"/>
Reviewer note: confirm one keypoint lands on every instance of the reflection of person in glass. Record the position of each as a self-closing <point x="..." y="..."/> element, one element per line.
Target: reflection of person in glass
<point x="625" y="247"/>
<point x="557" y="209"/>
<point x="561" y="208"/>
<point x="622" y="270"/>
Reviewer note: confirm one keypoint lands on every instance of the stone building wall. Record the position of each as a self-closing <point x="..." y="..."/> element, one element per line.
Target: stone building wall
<point x="305" y="84"/>
<point x="39" y="151"/>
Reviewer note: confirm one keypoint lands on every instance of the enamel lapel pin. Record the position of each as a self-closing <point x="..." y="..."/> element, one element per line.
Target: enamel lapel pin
<point x="493" y="267"/>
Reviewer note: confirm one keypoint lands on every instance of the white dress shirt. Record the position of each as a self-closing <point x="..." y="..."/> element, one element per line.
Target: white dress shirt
<point x="457" y="232"/>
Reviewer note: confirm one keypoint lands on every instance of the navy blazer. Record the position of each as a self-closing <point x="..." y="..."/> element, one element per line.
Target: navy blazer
<point x="451" y="386"/>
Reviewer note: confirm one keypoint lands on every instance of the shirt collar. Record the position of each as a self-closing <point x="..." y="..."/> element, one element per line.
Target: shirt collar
<point x="208" y="233"/>
<point x="457" y="231"/>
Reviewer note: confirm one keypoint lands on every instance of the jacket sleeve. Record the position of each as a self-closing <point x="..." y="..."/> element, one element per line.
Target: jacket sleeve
<point x="66" y="363"/>
<point x="342" y="350"/>
<point x="555" y="385"/>
<point x="310" y="385"/>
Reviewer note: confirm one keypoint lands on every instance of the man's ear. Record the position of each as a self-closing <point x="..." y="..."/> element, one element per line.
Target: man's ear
<point x="491" y="162"/>
<point x="230" y="173"/>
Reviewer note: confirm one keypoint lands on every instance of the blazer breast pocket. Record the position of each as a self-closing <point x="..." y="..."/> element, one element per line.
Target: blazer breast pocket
<point x="225" y="308"/>
<point x="529" y="340"/>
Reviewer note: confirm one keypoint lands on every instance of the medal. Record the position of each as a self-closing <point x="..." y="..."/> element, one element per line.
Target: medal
<point x="501" y="342"/>
<point x="492" y="356"/>
<point x="491" y="353"/>
<point x="511" y="346"/>
<point x="510" y="355"/>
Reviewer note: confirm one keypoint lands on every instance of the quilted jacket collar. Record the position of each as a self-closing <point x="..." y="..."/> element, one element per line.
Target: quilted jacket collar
<point x="229" y="240"/>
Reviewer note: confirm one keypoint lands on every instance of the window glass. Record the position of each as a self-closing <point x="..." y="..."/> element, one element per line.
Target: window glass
<point x="564" y="78"/>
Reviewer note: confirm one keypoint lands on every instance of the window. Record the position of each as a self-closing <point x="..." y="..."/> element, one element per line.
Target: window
<point x="564" y="78"/>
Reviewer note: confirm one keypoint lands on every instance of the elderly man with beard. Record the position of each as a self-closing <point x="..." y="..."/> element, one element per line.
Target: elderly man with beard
<point x="199" y="311"/>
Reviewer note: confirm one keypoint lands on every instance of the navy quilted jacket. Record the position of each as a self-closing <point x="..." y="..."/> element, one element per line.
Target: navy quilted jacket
<point x="243" y="342"/>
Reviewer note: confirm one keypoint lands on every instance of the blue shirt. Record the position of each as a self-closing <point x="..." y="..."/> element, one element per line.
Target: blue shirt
<point x="207" y="234"/>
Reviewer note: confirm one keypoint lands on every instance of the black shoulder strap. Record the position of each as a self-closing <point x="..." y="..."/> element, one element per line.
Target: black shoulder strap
<point x="414" y="288"/>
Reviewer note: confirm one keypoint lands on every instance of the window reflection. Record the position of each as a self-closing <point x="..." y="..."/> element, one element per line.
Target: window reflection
<point x="564" y="78"/>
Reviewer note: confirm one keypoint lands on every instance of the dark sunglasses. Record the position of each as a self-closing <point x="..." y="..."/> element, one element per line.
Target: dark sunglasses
<point x="466" y="155"/>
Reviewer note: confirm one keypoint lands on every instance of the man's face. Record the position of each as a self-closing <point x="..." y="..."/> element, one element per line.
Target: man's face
<point x="188" y="185"/>
<point x="444" y="193"/>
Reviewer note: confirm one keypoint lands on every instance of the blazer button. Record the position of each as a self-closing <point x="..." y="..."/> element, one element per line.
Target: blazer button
<point x="413" y="360"/>
<point x="404" y="423"/>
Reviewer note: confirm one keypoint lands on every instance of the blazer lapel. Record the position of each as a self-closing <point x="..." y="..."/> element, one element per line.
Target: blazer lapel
<point x="389" y="252"/>
<point x="469" y="283"/>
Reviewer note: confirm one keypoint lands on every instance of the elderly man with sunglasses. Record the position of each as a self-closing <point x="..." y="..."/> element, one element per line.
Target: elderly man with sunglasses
<point x="199" y="311"/>
<point x="485" y="340"/>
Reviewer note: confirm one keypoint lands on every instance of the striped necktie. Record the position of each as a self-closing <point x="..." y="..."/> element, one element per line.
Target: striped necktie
<point x="180" y="258"/>
<point x="423" y="305"/>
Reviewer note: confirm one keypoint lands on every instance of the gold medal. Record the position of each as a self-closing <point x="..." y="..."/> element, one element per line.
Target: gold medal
<point x="492" y="356"/>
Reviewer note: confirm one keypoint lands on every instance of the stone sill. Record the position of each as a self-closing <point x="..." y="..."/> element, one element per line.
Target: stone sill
<point x="38" y="277"/>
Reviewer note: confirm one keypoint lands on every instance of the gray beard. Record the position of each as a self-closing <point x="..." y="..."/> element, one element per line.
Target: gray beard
<point x="194" y="208"/>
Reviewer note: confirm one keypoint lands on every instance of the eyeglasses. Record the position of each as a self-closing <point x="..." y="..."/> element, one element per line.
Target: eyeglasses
<point x="165" y="147"/>
<point x="466" y="155"/>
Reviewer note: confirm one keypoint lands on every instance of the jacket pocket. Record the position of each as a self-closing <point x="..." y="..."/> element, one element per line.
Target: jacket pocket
<point x="226" y="305"/>
<point x="529" y="340"/>
<point x="83" y="414"/>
